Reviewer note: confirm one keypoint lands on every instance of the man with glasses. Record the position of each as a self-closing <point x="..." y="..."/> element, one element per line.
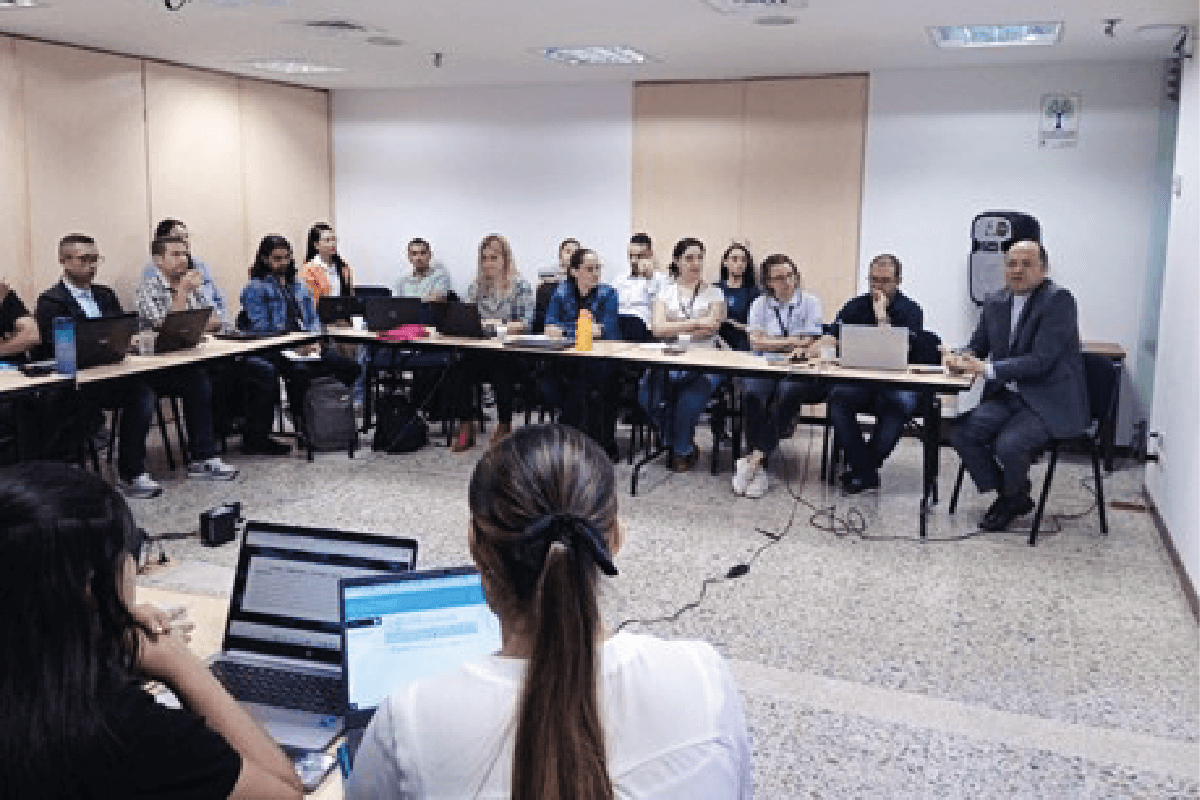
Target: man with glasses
<point x="77" y="296"/>
<point x="1036" y="386"/>
<point x="885" y="304"/>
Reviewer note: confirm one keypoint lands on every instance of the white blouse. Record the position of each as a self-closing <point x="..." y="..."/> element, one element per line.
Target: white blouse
<point x="683" y="304"/>
<point x="672" y="716"/>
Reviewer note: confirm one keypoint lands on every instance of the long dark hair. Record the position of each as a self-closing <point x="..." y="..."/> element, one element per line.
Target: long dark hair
<point x="67" y="636"/>
<point x="314" y="236"/>
<point x="262" y="263"/>
<point x="747" y="276"/>
<point x="543" y="503"/>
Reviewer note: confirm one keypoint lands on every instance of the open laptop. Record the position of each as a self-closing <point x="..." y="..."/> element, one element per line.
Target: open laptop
<point x="181" y="330"/>
<point x="399" y="628"/>
<point x="281" y="655"/>
<point x="103" y="340"/>
<point x="459" y="319"/>
<point x="874" y="347"/>
<point x="339" y="309"/>
<point x="386" y="313"/>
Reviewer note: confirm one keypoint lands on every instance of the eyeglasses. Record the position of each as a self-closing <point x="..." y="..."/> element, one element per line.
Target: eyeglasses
<point x="780" y="277"/>
<point x="84" y="259"/>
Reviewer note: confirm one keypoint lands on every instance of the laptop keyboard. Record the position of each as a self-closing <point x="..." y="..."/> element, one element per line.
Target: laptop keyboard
<point x="281" y="688"/>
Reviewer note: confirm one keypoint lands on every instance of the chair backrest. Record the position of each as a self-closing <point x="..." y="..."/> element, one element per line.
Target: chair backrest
<point x="1103" y="384"/>
<point x="372" y="291"/>
<point x="633" y="329"/>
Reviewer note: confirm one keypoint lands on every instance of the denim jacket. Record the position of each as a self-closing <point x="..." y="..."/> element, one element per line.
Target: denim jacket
<point x="604" y="304"/>
<point x="266" y="307"/>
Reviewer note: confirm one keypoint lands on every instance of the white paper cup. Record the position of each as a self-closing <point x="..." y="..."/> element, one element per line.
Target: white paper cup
<point x="828" y="353"/>
<point x="145" y="342"/>
<point x="358" y="323"/>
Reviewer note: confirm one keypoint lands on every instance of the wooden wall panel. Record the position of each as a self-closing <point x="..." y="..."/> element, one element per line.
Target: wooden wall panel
<point x="687" y="165"/>
<point x="86" y="150"/>
<point x="194" y="146"/>
<point x="803" y="172"/>
<point x="287" y="170"/>
<point x="14" y="206"/>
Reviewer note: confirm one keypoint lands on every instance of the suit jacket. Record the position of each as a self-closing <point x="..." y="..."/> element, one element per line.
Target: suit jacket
<point x="57" y="301"/>
<point x="1044" y="358"/>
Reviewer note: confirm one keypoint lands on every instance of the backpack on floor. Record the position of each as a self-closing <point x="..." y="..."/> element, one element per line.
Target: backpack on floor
<point x="329" y="422"/>
<point x="399" y="426"/>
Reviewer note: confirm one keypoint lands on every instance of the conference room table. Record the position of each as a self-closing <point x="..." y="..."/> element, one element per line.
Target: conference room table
<point x="928" y="381"/>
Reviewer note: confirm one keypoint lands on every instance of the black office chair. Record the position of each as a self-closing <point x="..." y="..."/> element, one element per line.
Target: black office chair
<point x="372" y="291"/>
<point x="1103" y="385"/>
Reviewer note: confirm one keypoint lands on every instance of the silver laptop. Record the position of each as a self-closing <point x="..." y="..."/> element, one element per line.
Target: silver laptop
<point x="282" y="651"/>
<point x="406" y="626"/>
<point x="874" y="347"/>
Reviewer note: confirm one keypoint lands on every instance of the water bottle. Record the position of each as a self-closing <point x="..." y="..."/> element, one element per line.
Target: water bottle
<point x="583" y="331"/>
<point x="64" y="346"/>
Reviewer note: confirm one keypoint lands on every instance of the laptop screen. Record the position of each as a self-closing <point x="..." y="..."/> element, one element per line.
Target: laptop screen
<point x="404" y="627"/>
<point x="285" y="592"/>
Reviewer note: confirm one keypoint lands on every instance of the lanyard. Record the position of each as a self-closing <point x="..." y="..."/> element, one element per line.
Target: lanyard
<point x="687" y="312"/>
<point x="779" y="319"/>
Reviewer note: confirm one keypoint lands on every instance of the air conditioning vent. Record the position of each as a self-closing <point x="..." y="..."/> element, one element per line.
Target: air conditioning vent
<point x="336" y="26"/>
<point x="756" y="8"/>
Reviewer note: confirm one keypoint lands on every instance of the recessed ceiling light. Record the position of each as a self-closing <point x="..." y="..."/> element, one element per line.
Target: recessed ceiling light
<point x="757" y="7"/>
<point x="290" y="66"/>
<point x="4" y="4"/>
<point x="385" y="41"/>
<point x="1022" y="33"/>
<point x="775" y="20"/>
<point x="1161" y="32"/>
<point x="595" y="55"/>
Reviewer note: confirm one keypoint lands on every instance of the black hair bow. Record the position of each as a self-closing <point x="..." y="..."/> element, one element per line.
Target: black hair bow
<point x="526" y="557"/>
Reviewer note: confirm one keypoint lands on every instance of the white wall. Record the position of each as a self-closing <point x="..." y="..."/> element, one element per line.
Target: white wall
<point x="1173" y="481"/>
<point x="945" y="145"/>
<point x="535" y="163"/>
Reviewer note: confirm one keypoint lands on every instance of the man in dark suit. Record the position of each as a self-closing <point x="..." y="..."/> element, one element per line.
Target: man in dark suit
<point x="1035" y="390"/>
<point x="77" y="296"/>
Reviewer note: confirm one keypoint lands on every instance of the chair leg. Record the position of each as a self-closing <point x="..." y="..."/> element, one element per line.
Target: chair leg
<point x="162" y="429"/>
<point x="1041" y="506"/>
<point x="184" y="445"/>
<point x="112" y="437"/>
<point x="825" y="452"/>
<point x="1099" y="490"/>
<point x="958" y="481"/>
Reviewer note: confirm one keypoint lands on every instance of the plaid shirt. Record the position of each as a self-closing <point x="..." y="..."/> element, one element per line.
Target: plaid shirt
<point x="154" y="298"/>
<point x="517" y="304"/>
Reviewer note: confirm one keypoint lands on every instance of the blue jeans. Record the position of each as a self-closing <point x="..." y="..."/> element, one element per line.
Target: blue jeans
<point x="691" y="392"/>
<point x="764" y="418"/>
<point x="892" y="409"/>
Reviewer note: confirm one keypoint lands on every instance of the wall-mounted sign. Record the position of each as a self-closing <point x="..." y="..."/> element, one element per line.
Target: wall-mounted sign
<point x="1060" y="120"/>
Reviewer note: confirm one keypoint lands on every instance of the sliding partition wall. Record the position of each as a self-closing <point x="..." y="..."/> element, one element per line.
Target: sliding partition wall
<point x="776" y="164"/>
<point x="107" y="145"/>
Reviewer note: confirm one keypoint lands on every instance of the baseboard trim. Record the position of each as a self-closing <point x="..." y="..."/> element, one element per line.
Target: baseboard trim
<point x="1185" y="582"/>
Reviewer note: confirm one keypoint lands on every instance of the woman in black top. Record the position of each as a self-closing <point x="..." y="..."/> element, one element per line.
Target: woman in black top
<point x="737" y="282"/>
<point x="77" y="723"/>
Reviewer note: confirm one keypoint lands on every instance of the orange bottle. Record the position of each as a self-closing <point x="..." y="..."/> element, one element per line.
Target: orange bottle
<point x="583" y="331"/>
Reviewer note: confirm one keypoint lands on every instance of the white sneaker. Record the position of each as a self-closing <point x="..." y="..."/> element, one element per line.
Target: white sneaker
<point x="757" y="486"/>
<point x="743" y="471"/>
<point x="143" y="487"/>
<point x="214" y="469"/>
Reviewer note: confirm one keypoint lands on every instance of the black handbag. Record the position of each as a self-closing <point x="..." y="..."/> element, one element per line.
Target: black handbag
<point x="399" y="426"/>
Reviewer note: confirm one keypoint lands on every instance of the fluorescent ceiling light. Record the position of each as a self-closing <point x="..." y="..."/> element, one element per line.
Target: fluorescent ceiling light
<point x="1023" y="33"/>
<point x="595" y="55"/>
<point x="20" y="4"/>
<point x="290" y="66"/>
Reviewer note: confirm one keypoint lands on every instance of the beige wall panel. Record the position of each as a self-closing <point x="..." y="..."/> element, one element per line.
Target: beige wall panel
<point x="687" y="165"/>
<point x="86" y="150"/>
<point x="14" y="206"/>
<point x="803" y="172"/>
<point x="286" y="151"/>
<point x="194" y="142"/>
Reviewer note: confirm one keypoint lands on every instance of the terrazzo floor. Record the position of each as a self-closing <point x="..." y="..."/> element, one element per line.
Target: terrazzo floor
<point x="872" y="664"/>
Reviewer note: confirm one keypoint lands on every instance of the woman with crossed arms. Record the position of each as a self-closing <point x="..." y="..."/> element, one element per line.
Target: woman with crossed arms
<point x="694" y="308"/>
<point x="786" y="319"/>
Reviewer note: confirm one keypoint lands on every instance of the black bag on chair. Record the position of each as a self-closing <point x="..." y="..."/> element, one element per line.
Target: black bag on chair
<point x="399" y="427"/>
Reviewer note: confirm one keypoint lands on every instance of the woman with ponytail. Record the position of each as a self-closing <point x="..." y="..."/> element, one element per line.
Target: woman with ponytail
<point x="565" y="711"/>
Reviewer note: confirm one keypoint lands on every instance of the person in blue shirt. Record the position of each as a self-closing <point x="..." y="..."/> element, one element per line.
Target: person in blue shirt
<point x="885" y="304"/>
<point x="738" y="284"/>
<point x="276" y="301"/>
<point x="585" y="395"/>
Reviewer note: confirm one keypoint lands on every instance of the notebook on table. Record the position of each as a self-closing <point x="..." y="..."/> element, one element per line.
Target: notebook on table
<point x="103" y="340"/>
<point x="386" y="313"/>
<point x="874" y="347"/>
<point x="281" y="655"/>
<point x="181" y="330"/>
<point x="402" y="627"/>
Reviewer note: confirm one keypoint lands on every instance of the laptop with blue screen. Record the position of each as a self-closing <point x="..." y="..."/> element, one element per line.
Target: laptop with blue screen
<point x="402" y="627"/>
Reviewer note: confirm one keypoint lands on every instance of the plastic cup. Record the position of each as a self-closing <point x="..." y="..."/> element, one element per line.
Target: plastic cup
<point x="358" y="323"/>
<point x="145" y="342"/>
